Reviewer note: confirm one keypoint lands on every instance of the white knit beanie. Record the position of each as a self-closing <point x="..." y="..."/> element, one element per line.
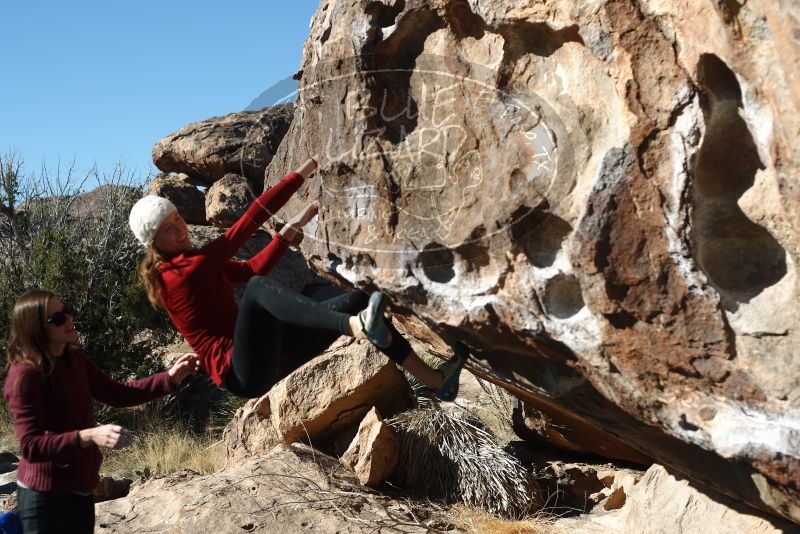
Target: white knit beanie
<point x="147" y="215"/>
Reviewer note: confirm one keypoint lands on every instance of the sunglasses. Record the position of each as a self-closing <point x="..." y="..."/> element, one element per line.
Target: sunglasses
<point x="60" y="317"/>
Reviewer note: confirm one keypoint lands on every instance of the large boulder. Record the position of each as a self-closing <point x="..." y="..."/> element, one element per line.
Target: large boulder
<point x="243" y="143"/>
<point x="665" y="503"/>
<point x="320" y="400"/>
<point x="187" y="198"/>
<point x="250" y="431"/>
<point x="600" y="199"/>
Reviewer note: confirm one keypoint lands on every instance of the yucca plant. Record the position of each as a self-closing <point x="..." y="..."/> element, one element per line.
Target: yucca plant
<point x="448" y="454"/>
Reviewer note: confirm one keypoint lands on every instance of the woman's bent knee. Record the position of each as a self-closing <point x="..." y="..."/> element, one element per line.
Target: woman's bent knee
<point x="255" y="282"/>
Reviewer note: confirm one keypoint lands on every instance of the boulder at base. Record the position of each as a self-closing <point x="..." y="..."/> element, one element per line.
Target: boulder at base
<point x="228" y="199"/>
<point x="375" y="450"/>
<point x="667" y="503"/>
<point x="320" y="399"/>
<point x="290" y="489"/>
<point x="187" y="198"/>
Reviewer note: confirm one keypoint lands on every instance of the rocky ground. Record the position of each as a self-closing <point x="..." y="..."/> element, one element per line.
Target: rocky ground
<point x="297" y="488"/>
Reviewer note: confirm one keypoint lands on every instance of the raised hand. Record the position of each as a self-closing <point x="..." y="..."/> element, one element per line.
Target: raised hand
<point x="305" y="216"/>
<point x="309" y="166"/>
<point x="292" y="231"/>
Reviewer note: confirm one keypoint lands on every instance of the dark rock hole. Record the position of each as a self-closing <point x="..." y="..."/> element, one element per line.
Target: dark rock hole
<point x="437" y="262"/>
<point x="389" y="65"/>
<point x="539" y="234"/>
<point x="475" y="251"/>
<point x="739" y="257"/>
<point x="523" y="38"/>
<point x="382" y="15"/>
<point x="562" y="297"/>
<point x="463" y="21"/>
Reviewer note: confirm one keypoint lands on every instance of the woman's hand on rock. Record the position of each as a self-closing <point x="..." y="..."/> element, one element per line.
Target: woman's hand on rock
<point x="309" y="166"/>
<point x="291" y="232"/>
<point x="305" y="216"/>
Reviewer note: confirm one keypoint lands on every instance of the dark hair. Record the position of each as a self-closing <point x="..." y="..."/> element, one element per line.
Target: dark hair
<point x="28" y="336"/>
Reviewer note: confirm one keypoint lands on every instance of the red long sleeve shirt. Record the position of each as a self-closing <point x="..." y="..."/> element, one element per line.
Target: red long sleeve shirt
<point x="49" y="411"/>
<point x="197" y="288"/>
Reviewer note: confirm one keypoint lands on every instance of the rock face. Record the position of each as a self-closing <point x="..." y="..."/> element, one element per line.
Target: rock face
<point x="242" y="143"/>
<point x="548" y="430"/>
<point x="228" y="199"/>
<point x="320" y="400"/>
<point x="291" y="489"/>
<point x="375" y="450"/>
<point x="600" y="199"/>
<point x="186" y="197"/>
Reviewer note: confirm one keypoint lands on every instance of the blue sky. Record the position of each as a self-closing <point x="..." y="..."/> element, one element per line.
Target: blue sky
<point x="103" y="81"/>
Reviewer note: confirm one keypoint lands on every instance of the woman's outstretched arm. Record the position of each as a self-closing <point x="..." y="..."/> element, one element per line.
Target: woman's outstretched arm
<point x="126" y="394"/>
<point x="264" y="261"/>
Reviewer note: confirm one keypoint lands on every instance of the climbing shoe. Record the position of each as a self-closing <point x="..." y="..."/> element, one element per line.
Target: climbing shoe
<point x="372" y="323"/>
<point x="451" y="371"/>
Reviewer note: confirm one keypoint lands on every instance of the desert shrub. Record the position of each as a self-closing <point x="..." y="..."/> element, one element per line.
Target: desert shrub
<point x="55" y="236"/>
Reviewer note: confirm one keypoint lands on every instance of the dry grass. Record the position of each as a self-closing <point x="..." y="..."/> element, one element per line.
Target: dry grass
<point x="8" y="438"/>
<point x="164" y="441"/>
<point x="478" y="522"/>
<point x="161" y="450"/>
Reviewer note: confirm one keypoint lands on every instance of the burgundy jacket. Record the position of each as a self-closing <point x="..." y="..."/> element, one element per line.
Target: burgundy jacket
<point x="49" y="411"/>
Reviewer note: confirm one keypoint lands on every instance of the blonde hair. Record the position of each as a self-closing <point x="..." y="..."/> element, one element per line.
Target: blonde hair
<point x="150" y="276"/>
<point x="28" y="337"/>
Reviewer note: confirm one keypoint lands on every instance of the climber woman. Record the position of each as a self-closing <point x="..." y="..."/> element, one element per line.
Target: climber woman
<point x="49" y="387"/>
<point x="274" y="330"/>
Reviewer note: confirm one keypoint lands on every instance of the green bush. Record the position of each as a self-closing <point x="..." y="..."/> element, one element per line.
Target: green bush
<point x="78" y="245"/>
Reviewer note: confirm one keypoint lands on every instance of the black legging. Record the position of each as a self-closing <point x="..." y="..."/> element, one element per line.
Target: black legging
<point x="278" y="330"/>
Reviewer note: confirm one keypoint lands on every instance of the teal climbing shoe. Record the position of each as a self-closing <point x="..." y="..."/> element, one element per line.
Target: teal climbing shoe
<point x="451" y="371"/>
